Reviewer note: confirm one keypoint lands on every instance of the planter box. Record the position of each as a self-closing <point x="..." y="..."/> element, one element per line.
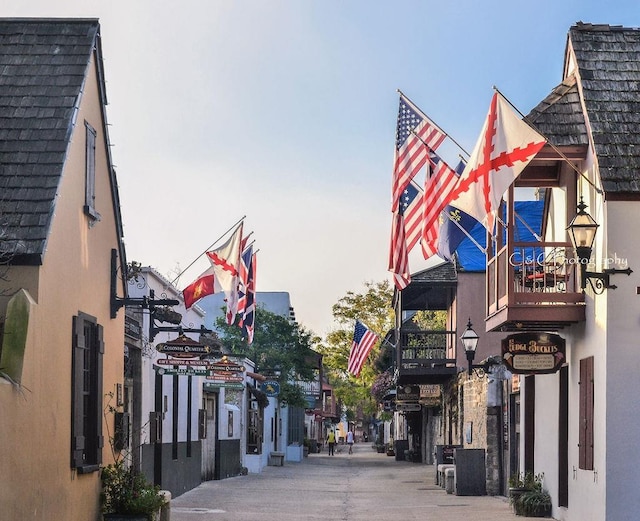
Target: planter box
<point x="124" y="517"/>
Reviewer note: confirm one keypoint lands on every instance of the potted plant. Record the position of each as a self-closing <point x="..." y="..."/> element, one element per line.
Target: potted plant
<point x="520" y="484"/>
<point x="535" y="503"/>
<point x="127" y="495"/>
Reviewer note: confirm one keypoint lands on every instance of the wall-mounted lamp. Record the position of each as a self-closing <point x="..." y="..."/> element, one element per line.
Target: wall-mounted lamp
<point x="582" y="231"/>
<point x="469" y="341"/>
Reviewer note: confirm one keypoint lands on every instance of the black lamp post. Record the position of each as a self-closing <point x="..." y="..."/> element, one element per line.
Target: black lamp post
<point x="582" y="232"/>
<point x="469" y="341"/>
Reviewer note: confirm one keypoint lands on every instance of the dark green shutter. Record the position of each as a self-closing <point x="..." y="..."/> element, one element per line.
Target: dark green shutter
<point x="77" y="433"/>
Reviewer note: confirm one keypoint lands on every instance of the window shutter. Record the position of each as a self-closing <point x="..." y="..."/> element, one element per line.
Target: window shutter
<point x="77" y="432"/>
<point x="585" y="446"/>
<point x="99" y="383"/>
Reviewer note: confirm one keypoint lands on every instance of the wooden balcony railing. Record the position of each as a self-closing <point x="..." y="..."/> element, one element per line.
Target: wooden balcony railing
<point x="533" y="283"/>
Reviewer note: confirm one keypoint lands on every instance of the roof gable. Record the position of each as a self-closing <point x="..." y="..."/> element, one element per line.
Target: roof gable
<point x="43" y="63"/>
<point x="608" y="69"/>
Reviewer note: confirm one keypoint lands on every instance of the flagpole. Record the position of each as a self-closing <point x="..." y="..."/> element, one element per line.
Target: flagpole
<point x="555" y="148"/>
<point x="205" y="251"/>
<point x="416" y="106"/>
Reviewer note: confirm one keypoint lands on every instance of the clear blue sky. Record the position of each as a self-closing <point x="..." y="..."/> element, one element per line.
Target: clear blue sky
<point x="285" y="111"/>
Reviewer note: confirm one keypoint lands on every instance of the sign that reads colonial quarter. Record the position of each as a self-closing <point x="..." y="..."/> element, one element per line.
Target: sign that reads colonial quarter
<point x="533" y="353"/>
<point x="183" y="347"/>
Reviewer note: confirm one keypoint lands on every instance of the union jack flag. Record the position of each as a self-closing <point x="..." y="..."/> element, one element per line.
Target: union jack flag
<point x="247" y="318"/>
<point x="243" y="280"/>
<point x="415" y="134"/>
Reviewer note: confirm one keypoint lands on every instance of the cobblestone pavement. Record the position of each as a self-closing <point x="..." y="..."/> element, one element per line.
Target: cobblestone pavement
<point x="364" y="486"/>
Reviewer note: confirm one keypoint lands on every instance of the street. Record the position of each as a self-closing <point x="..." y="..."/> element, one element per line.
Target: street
<point x="364" y="486"/>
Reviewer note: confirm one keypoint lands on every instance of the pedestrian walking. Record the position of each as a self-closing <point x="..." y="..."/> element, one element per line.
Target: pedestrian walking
<point x="331" y="441"/>
<point x="350" y="441"/>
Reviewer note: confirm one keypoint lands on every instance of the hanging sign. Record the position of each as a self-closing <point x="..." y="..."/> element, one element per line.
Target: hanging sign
<point x="186" y="361"/>
<point x="183" y="347"/>
<point x="270" y="388"/>
<point x="533" y="353"/>
<point x="186" y="371"/>
<point x="408" y="393"/>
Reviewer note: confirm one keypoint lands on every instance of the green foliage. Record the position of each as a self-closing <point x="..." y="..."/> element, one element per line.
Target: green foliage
<point x="278" y="344"/>
<point x="373" y="308"/>
<point x="128" y="492"/>
<point x="125" y="491"/>
<point x="431" y="320"/>
<point x="527" y="481"/>
<point x="535" y="503"/>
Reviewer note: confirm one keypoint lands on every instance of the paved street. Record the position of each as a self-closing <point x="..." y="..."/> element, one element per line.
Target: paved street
<point x="364" y="486"/>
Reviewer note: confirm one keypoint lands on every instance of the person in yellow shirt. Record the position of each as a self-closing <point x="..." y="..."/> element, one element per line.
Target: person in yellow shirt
<point x="331" y="441"/>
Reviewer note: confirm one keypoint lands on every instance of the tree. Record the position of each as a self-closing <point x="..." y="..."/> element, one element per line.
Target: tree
<point x="278" y="345"/>
<point x="373" y="308"/>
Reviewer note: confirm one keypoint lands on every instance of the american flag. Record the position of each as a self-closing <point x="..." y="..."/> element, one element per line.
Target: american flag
<point x="363" y="342"/>
<point x="398" y="254"/>
<point x="405" y="233"/>
<point x="414" y="133"/>
<point x="438" y="192"/>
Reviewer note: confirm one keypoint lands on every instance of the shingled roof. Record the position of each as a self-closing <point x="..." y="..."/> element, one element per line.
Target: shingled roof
<point x="608" y="61"/>
<point x="608" y="71"/>
<point x="559" y="116"/>
<point x="43" y="63"/>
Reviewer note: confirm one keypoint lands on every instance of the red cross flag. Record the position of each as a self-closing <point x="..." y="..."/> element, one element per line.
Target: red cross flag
<point x="505" y="147"/>
<point x="225" y="262"/>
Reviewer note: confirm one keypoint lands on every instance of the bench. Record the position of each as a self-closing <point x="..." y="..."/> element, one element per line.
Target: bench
<point x="276" y="459"/>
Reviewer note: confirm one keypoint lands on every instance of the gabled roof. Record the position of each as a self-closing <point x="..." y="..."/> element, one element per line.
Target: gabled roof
<point x="608" y="60"/>
<point x="607" y="80"/>
<point x="43" y="64"/>
<point x="559" y="116"/>
<point x="429" y="289"/>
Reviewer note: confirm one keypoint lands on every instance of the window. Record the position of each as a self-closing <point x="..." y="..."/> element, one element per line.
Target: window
<point x="585" y="444"/>
<point x="90" y="174"/>
<point x="86" y="394"/>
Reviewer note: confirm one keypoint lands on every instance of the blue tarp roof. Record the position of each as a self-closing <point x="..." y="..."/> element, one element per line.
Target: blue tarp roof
<point x="470" y="258"/>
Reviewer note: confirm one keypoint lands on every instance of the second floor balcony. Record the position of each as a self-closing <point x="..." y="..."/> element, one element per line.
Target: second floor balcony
<point x="426" y="357"/>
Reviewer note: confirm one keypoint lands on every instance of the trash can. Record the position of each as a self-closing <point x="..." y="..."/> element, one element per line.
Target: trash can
<point x="400" y="447"/>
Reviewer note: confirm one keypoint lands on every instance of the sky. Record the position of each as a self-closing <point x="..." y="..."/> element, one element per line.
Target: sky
<point x="284" y="112"/>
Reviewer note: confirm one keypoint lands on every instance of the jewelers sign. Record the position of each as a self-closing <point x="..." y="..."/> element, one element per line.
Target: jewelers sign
<point x="533" y="353"/>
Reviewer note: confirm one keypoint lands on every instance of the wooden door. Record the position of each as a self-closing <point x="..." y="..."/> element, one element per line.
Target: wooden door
<point x="210" y="406"/>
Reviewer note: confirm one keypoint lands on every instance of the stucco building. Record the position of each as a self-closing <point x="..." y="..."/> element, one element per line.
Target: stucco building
<point x="59" y="222"/>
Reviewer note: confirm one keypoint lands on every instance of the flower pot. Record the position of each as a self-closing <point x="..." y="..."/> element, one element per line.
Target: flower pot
<point x="514" y="499"/>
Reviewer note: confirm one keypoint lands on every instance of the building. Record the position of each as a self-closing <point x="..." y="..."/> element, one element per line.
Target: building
<point x="279" y="428"/>
<point x="559" y="403"/>
<point x="60" y="220"/>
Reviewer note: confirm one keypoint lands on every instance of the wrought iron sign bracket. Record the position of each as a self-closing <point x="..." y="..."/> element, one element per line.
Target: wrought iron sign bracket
<point x="143" y="302"/>
<point x="154" y="330"/>
<point x="600" y="281"/>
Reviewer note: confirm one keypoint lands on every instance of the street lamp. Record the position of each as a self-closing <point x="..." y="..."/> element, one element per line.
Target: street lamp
<point x="582" y="232"/>
<point x="469" y="341"/>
